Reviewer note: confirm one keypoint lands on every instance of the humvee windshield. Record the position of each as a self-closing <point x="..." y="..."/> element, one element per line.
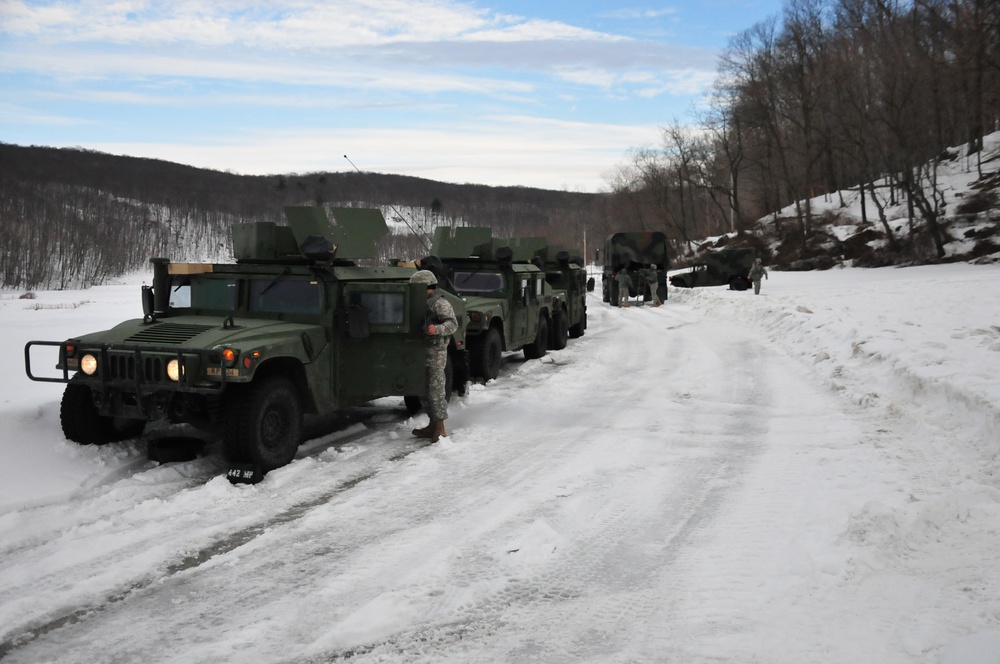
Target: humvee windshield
<point x="201" y="293"/>
<point x="290" y="296"/>
<point x="556" y="280"/>
<point x="478" y="282"/>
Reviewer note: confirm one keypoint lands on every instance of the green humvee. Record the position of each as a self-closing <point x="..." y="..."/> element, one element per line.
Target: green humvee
<point x="568" y="280"/>
<point x="508" y="303"/>
<point x="242" y="351"/>
<point x="725" y="267"/>
<point x="632" y="252"/>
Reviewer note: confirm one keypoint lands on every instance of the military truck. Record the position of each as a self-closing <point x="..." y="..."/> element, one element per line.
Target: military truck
<point x="725" y="267"/>
<point x="242" y="351"/>
<point x="508" y="304"/>
<point x="632" y="252"/>
<point x="567" y="279"/>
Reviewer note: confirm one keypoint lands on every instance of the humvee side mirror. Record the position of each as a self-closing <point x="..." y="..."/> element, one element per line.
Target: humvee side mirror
<point x="147" y="305"/>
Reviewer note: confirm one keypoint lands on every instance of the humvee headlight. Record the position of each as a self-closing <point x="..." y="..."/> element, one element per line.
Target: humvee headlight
<point x="174" y="370"/>
<point x="88" y="364"/>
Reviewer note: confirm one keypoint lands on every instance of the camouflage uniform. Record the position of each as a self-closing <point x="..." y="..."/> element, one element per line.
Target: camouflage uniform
<point x="442" y="316"/>
<point x="756" y="273"/>
<point x="650" y="275"/>
<point x="624" y="284"/>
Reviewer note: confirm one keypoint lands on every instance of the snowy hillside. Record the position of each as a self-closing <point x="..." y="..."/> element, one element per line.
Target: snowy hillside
<point x="810" y="475"/>
<point x="847" y="229"/>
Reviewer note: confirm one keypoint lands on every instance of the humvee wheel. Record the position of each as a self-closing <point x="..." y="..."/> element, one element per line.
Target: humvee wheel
<point x="82" y="423"/>
<point x="263" y="424"/>
<point x="560" y="332"/>
<point x="412" y="404"/>
<point x="739" y="283"/>
<point x="577" y="331"/>
<point x="488" y="355"/>
<point x="538" y="348"/>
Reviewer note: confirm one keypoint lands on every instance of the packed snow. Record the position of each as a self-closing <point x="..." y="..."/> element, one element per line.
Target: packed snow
<point x="807" y="475"/>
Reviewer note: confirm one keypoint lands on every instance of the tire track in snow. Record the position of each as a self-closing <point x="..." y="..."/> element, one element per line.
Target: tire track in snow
<point x="621" y="545"/>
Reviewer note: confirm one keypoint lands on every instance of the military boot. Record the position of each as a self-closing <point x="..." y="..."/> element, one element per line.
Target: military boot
<point x="427" y="431"/>
<point x="438" y="432"/>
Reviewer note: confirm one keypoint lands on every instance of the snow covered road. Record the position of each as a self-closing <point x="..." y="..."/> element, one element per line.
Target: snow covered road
<point x="809" y="475"/>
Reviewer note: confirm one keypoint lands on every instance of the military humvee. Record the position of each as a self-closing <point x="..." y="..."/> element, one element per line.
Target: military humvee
<point x="632" y="252"/>
<point x="243" y="350"/>
<point x="718" y="268"/>
<point x="568" y="280"/>
<point x="508" y="304"/>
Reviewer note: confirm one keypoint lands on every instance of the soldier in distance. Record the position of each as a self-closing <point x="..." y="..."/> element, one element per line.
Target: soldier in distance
<point x="624" y="284"/>
<point x="650" y="275"/>
<point x="440" y="325"/>
<point x="756" y="272"/>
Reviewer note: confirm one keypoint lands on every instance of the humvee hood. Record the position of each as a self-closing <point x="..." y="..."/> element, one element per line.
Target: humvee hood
<point x="195" y="331"/>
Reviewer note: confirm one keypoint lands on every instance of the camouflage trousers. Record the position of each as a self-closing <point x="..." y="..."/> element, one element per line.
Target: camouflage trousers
<point x="436" y="401"/>
<point x="756" y="286"/>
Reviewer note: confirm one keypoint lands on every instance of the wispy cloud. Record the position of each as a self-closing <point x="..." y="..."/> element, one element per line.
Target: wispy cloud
<point x="515" y="150"/>
<point x="435" y="87"/>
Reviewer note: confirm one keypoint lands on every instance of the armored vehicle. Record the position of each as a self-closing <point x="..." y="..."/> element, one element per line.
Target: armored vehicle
<point x="726" y="267"/>
<point x="508" y="304"/>
<point x="633" y="252"/>
<point x="568" y="280"/>
<point x="243" y="350"/>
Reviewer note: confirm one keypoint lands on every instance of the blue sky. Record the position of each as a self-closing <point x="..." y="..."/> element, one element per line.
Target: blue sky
<point x="542" y="94"/>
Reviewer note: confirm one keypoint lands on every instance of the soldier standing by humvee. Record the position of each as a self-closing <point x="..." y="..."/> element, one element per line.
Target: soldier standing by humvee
<point x="756" y="272"/>
<point x="624" y="284"/>
<point x="650" y="275"/>
<point x="441" y="324"/>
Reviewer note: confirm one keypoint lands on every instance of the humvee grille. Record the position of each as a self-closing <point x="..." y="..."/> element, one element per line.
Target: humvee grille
<point x="169" y="333"/>
<point x="122" y="367"/>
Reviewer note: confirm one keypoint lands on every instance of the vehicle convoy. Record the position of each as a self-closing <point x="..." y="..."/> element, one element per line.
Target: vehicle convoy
<point x="725" y="267"/>
<point x="242" y="351"/>
<point x="632" y="252"/>
<point x="567" y="278"/>
<point x="508" y="303"/>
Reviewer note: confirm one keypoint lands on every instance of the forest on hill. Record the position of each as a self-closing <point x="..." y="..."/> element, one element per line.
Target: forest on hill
<point x="72" y="217"/>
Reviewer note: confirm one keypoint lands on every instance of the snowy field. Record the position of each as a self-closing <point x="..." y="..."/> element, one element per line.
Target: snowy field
<point x="810" y="475"/>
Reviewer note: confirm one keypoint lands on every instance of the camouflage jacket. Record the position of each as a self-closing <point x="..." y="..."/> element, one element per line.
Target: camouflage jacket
<point x="623" y="280"/>
<point x="757" y="272"/>
<point x="441" y="314"/>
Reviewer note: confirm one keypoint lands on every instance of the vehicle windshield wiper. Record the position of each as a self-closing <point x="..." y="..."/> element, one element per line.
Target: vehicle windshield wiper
<point x="274" y="281"/>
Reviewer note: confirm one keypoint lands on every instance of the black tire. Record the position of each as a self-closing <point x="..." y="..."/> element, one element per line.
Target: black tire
<point x="577" y="331"/>
<point x="82" y="423"/>
<point x="413" y="404"/>
<point x="263" y="424"/>
<point x="739" y="283"/>
<point x="487" y="355"/>
<point x="560" y="332"/>
<point x="539" y="347"/>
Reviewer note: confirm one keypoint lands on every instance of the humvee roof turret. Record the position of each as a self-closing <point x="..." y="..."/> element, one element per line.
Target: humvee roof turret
<point x="242" y="351"/>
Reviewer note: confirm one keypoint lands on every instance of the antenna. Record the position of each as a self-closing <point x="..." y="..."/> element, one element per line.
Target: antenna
<point x="399" y="215"/>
